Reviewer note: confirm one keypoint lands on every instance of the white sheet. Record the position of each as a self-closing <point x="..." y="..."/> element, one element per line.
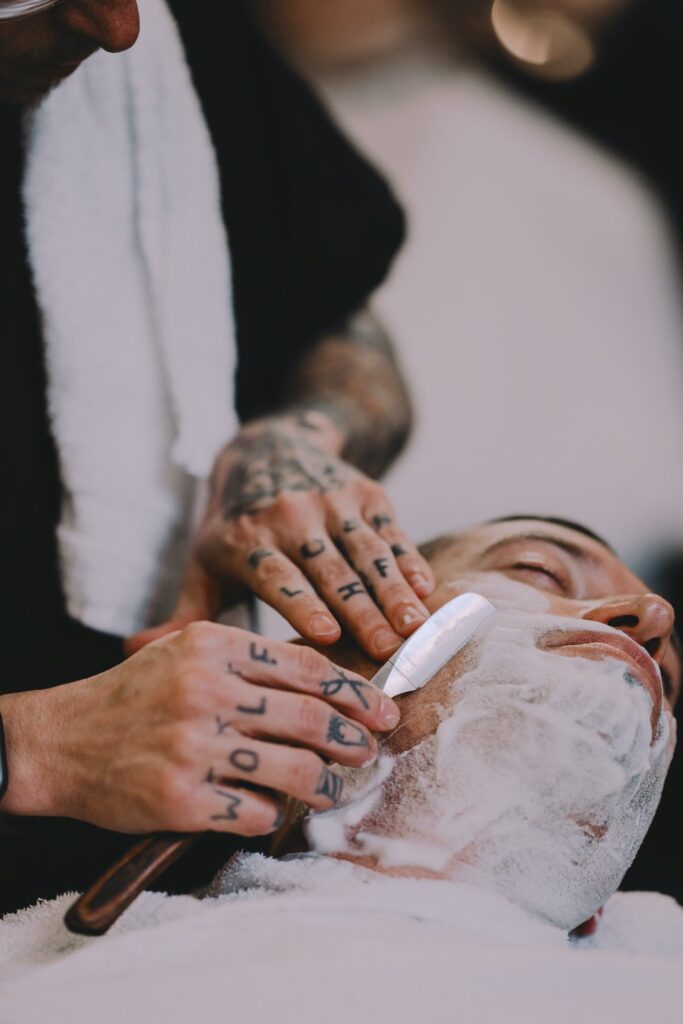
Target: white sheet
<point x="314" y="940"/>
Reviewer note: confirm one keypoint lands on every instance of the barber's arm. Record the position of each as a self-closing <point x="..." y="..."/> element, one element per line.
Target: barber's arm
<point x="175" y="738"/>
<point x="295" y="515"/>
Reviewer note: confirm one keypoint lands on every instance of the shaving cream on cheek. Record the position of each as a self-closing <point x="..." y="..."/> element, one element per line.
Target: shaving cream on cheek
<point x="539" y="783"/>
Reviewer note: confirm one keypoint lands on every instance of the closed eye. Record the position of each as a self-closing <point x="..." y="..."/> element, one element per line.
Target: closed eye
<point x="541" y="570"/>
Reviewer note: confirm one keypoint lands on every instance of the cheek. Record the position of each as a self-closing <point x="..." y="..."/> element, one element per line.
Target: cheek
<point x="505" y="595"/>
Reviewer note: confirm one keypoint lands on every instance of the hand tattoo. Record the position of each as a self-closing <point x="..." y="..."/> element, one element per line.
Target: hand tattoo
<point x="273" y="462"/>
<point x="350" y="590"/>
<point x="331" y="687"/>
<point x="260" y="708"/>
<point x="330" y="785"/>
<point x="382" y="566"/>
<point x="261" y="655"/>
<point x="379" y="521"/>
<point x="257" y="557"/>
<point x="223" y="726"/>
<point x="244" y="760"/>
<point x="346" y="733"/>
<point x="232" y="803"/>
<point x="312" y="550"/>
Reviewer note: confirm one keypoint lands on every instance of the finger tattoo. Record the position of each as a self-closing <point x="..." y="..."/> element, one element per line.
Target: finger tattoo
<point x="260" y="708"/>
<point x="312" y="550"/>
<point x="244" y="760"/>
<point x="223" y="726"/>
<point x="350" y="525"/>
<point x="232" y="803"/>
<point x="350" y="590"/>
<point x="346" y="733"/>
<point x="290" y="593"/>
<point x="379" y="521"/>
<point x="331" y="687"/>
<point x="256" y="557"/>
<point x="330" y="785"/>
<point x="382" y="567"/>
<point x="236" y="671"/>
<point x="261" y="655"/>
<point x="397" y="551"/>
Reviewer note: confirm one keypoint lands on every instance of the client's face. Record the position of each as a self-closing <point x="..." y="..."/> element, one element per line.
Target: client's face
<point x="533" y="763"/>
<point x="557" y="573"/>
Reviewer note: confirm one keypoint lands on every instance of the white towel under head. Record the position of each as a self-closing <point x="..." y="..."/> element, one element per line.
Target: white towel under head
<point x="131" y="270"/>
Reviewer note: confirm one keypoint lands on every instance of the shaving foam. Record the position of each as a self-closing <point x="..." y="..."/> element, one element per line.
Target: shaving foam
<point x="539" y="783"/>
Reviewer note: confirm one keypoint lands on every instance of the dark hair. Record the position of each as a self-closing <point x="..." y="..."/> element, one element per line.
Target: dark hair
<point x="569" y="524"/>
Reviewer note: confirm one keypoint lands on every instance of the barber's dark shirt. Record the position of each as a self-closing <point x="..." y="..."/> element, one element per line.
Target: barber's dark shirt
<point x="312" y="231"/>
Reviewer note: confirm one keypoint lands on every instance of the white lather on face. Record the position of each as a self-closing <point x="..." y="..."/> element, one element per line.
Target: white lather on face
<point x="540" y="782"/>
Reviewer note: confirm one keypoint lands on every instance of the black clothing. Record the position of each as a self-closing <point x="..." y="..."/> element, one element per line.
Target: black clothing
<point x="312" y="232"/>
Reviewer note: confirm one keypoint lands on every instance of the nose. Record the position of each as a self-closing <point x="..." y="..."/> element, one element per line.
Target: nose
<point x="112" y="25"/>
<point x="648" y="618"/>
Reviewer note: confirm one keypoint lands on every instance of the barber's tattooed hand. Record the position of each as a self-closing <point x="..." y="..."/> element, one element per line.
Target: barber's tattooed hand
<point x="313" y="537"/>
<point x="210" y="728"/>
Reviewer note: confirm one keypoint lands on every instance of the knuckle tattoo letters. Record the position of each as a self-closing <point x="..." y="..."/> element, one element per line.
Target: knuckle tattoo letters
<point x="244" y="760"/>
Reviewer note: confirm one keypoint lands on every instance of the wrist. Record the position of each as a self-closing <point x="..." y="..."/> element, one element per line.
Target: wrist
<point x="315" y="423"/>
<point x="35" y="773"/>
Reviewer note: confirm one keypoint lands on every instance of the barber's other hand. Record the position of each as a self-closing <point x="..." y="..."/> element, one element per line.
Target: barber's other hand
<point x="311" y="536"/>
<point x="202" y="730"/>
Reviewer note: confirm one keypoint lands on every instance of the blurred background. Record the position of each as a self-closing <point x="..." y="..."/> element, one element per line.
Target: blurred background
<point x="537" y="304"/>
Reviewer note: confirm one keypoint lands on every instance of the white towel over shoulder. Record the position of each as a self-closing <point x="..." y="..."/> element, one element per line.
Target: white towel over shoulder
<point x="132" y="277"/>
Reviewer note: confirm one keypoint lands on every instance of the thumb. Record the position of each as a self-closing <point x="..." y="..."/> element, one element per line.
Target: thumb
<point x="199" y="598"/>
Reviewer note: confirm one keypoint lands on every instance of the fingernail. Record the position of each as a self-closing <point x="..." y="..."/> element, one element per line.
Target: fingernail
<point x="412" y="615"/>
<point x="371" y="759"/>
<point x="322" y="625"/>
<point x="419" y="582"/>
<point x="386" y="641"/>
<point x="389" y="714"/>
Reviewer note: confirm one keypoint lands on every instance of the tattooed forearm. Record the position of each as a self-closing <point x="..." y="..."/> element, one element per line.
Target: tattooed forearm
<point x="353" y="378"/>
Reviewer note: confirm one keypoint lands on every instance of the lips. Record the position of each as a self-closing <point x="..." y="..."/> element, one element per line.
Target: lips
<point x="609" y="644"/>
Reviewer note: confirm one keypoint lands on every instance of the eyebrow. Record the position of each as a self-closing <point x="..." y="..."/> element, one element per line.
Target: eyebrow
<point x="575" y="550"/>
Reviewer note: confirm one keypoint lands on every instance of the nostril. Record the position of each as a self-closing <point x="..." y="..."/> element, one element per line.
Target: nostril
<point x="624" y="622"/>
<point x="652" y="646"/>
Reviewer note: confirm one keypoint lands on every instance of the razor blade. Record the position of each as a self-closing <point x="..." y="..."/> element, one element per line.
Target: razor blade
<point x="434" y="644"/>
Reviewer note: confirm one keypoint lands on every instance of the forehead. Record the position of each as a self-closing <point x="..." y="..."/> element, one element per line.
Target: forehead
<point x="608" y="573"/>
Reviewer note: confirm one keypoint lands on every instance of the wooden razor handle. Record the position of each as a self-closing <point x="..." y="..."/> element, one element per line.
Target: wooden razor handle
<point x="96" y="910"/>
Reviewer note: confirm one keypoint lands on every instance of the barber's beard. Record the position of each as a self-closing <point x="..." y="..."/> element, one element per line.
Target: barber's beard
<point x="540" y="783"/>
